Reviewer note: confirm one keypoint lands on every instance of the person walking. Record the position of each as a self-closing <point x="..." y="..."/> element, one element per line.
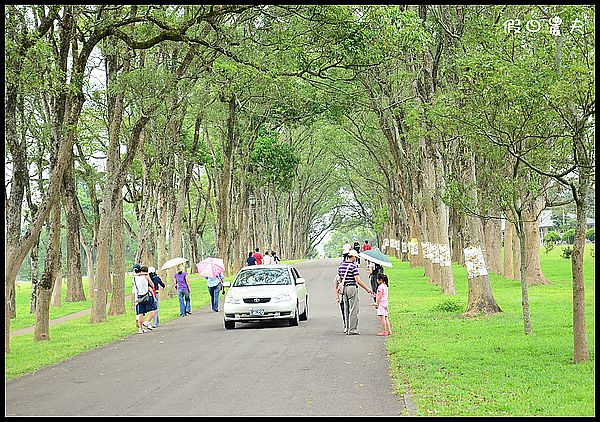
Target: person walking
<point x="258" y="256"/>
<point x="214" y="285"/>
<point x="276" y="259"/>
<point x="356" y="247"/>
<point x="349" y="275"/>
<point x="157" y="285"/>
<point x="250" y="260"/>
<point x="366" y="247"/>
<point x="376" y="269"/>
<point x="267" y="258"/>
<point x="183" y="292"/>
<point x="143" y="298"/>
<point x="345" y="250"/>
<point x="381" y="304"/>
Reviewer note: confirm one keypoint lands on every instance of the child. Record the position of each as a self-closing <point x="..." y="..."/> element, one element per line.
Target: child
<point x="381" y="304"/>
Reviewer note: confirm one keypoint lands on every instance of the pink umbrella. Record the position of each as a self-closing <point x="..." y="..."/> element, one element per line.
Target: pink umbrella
<point x="210" y="267"/>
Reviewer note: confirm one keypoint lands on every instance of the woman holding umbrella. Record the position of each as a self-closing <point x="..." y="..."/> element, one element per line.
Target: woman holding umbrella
<point x="214" y="287"/>
<point x="212" y="269"/>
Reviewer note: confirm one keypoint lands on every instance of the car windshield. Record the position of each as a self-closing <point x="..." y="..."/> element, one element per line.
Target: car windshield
<point x="262" y="277"/>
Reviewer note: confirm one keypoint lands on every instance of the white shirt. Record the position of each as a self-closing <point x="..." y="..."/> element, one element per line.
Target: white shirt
<point x="347" y="248"/>
<point x="268" y="259"/>
<point x="139" y="282"/>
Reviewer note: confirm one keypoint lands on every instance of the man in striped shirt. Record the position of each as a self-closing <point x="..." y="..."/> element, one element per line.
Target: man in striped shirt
<point x="348" y="271"/>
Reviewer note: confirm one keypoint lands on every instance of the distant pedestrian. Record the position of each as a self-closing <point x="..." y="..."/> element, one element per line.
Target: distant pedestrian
<point x="348" y="272"/>
<point x="157" y="285"/>
<point x="267" y="258"/>
<point x="381" y="304"/>
<point x="250" y="260"/>
<point x="276" y="259"/>
<point x="183" y="292"/>
<point x="258" y="256"/>
<point x="143" y="298"/>
<point x="366" y="246"/>
<point x="214" y="285"/>
<point x="345" y="250"/>
<point x="356" y="247"/>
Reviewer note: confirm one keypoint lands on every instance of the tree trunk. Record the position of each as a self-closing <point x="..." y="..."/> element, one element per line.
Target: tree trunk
<point x="56" y="300"/>
<point x="508" y="264"/>
<point x="74" y="278"/>
<point x="580" y="345"/>
<point x="117" y="299"/>
<point x="51" y="267"/>
<point x="34" y="262"/>
<point x="89" y="263"/>
<point x="481" y="298"/>
<point x="224" y="186"/>
<point x="532" y="243"/>
<point x="520" y="230"/>
<point x="493" y="241"/>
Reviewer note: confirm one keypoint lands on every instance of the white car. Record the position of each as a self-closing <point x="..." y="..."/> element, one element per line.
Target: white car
<point x="266" y="293"/>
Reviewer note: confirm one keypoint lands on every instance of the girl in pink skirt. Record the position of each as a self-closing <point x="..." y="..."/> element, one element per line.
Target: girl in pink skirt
<point x="381" y="304"/>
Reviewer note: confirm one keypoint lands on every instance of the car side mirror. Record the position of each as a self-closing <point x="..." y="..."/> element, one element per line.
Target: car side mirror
<point x="300" y="280"/>
<point x="226" y="284"/>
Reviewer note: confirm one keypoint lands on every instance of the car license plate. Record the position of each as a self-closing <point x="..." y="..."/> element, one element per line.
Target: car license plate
<point x="257" y="311"/>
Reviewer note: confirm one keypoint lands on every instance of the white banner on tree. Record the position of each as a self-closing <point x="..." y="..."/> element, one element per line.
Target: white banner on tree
<point x="445" y="260"/>
<point x="475" y="262"/>
<point x="435" y="256"/>
<point x="425" y="246"/>
<point x="413" y="246"/>
<point x="404" y="247"/>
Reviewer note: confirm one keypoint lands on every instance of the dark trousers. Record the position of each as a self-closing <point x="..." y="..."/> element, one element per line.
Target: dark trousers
<point x="374" y="286"/>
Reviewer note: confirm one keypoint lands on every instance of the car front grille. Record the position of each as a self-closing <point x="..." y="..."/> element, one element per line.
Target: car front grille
<point x="252" y="300"/>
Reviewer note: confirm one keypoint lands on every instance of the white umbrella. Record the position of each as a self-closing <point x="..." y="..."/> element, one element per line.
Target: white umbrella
<point x="173" y="262"/>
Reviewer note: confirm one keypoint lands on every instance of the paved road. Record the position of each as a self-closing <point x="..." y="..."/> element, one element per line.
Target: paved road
<point x="193" y="366"/>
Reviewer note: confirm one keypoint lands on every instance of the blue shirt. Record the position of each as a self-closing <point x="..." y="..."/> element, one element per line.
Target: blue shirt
<point x="251" y="260"/>
<point x="352" y="271"/>
<point x="212" y="282"/>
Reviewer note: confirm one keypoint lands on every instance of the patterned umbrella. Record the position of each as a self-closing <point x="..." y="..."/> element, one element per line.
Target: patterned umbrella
<point x="210" y="267"/>
<point x="375" y="255"/>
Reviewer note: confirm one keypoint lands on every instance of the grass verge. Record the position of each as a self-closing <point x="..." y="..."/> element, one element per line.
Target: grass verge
<point x="486" y="365"/>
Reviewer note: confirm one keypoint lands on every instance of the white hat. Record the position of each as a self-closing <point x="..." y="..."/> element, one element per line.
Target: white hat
<point x="353" y="252"/>
<point x="151" y="269"/>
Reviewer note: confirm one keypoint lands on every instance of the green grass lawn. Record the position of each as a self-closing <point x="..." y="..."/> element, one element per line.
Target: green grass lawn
<point x="486" y="365"/>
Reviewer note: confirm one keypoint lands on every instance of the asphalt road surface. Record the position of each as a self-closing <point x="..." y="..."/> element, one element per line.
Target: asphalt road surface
<point x="193" y="366"/>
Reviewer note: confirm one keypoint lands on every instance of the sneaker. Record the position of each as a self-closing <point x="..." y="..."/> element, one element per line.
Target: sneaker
<point x="147" y="326"/>
<point x="188" y="313"/>
<point x="353" y="333"/>
<point x="155" y="326"/>
<point x="142" y="331"/>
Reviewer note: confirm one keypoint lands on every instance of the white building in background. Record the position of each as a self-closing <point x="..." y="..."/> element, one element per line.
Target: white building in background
<point x="546" y="221"/>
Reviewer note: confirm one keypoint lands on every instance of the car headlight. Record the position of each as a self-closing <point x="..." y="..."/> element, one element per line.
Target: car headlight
<point x="234" y="300"/>
<point x="282" y="298"/>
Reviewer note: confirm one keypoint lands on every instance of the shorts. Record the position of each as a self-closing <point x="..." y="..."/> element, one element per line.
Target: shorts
<point x="144" y="308"/>
<point x="382" y="310"/>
